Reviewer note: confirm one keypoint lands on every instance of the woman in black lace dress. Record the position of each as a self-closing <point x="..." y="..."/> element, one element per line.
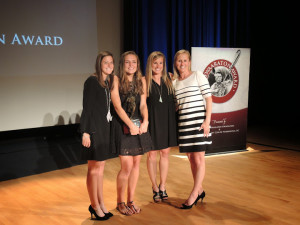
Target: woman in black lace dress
<point x="130" y="125"/>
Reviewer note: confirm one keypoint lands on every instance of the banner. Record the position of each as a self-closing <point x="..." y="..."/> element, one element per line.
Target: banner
<point x="227" y="70"/>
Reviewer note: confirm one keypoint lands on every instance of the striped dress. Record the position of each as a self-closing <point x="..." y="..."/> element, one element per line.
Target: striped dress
<point x="190" y="95"/>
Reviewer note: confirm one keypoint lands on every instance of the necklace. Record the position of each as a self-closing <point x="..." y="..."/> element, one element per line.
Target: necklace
<point x="107" y="94"/>
<point x="160" y="92"/>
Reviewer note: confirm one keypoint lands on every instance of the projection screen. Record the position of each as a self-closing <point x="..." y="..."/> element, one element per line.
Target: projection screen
<point x="47" y="49"/>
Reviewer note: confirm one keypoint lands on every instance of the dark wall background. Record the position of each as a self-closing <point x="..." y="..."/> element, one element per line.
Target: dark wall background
<point x="273" y="85"/>
<point x="268" y="28"/>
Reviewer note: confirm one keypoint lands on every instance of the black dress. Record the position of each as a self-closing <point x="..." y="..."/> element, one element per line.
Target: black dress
<point x="162" y="116"/>
<point x="126" y="144"/>
<point x="94" y="122"/>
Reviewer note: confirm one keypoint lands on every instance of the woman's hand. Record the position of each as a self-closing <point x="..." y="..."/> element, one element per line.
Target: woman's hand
<point x="134" y="130"/>
<point x="144" y="109"/>
<point x="115" y="98"/>
<point x="144" y="127"/>
<point x="86" y="140"/>
<point x="206" y="128"/>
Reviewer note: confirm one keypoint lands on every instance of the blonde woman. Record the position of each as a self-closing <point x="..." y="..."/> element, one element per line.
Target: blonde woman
<point x="194" y="116"/>
<point x="130" y="128"/>
<point x="162" y="122"/>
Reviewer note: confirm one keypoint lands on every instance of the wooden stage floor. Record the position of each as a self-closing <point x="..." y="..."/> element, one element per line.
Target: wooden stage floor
<point x="258" y="186"/>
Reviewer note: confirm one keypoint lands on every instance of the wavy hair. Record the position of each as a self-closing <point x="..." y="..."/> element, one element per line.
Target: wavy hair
<point x="137" y="77"/>
<point x="151" y="58"/>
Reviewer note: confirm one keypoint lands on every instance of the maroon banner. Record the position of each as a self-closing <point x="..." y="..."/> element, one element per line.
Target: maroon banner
<point x="229" y="131"/>
<point x="227" y="71"/>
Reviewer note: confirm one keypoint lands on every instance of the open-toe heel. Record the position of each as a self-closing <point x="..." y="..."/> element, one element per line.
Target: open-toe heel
<point x="163" y="194"/>
<point x="156" y="196"/>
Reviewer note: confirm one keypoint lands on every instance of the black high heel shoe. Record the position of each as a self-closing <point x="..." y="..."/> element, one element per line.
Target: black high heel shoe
<point x="201" y="196"/>
<point x="184" y="206"/>
<point x="156" y="196"/>
<point x="108" y="215"/>
<point x="163" y="194"/>
<point x="93" y="212"/>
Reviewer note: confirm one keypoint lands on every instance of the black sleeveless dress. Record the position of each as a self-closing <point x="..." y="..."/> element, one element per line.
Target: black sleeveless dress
<point x="162" y="116"/>
<point x="126" y="144"/>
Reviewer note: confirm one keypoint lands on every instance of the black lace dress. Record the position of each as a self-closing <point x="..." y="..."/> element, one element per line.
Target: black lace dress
<point x="126" y="144"/>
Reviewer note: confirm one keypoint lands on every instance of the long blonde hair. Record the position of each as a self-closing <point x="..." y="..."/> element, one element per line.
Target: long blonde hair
<point x="137" y="77"/>
<point x="153" y="56"/>
<point x="175" y="71"/>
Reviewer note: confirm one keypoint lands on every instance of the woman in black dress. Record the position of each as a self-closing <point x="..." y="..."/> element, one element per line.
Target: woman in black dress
<point x="130" y="126"/>
<point x="95" y="129"/>
<point x="162" y="122"/>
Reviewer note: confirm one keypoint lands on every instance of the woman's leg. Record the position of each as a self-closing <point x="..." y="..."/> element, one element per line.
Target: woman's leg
<point x="193" y="167"/>
<point x="100" y="187"/>
<point x="164" y="167"/>
<point x="197" y="161"/>
<point x="92" y="184"/>
<point x="132" y="182"/>
<point x="123" y="176"/>
<point x="152" y="169"/>
<point x="122" y="180"/>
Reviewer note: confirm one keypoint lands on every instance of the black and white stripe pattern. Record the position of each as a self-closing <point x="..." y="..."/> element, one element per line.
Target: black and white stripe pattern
<point x="190" y="94"/>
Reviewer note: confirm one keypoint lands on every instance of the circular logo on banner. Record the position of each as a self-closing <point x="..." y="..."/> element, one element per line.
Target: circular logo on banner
<point x="223" y="79"/>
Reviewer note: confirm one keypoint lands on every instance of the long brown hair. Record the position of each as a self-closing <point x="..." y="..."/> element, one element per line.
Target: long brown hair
<point x="182" y="51"/>
<point x="153" y="56"/>
<point x="137" y="77"/>
<point x="98" y="68"/>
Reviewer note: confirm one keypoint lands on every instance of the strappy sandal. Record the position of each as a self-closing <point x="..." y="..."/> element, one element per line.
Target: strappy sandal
<point x="163" y="194"/>
<point x="125" y="211"/>
<point x="156" y="196"/>
<point x="133" y="208"/>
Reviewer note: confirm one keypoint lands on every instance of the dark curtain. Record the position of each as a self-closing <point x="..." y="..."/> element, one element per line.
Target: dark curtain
<point x="268" y="28"/>
<point x="171" y="25"/>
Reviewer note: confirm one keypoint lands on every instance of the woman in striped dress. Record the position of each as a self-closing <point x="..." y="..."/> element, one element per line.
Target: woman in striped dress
<point x="194" y="115"/>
